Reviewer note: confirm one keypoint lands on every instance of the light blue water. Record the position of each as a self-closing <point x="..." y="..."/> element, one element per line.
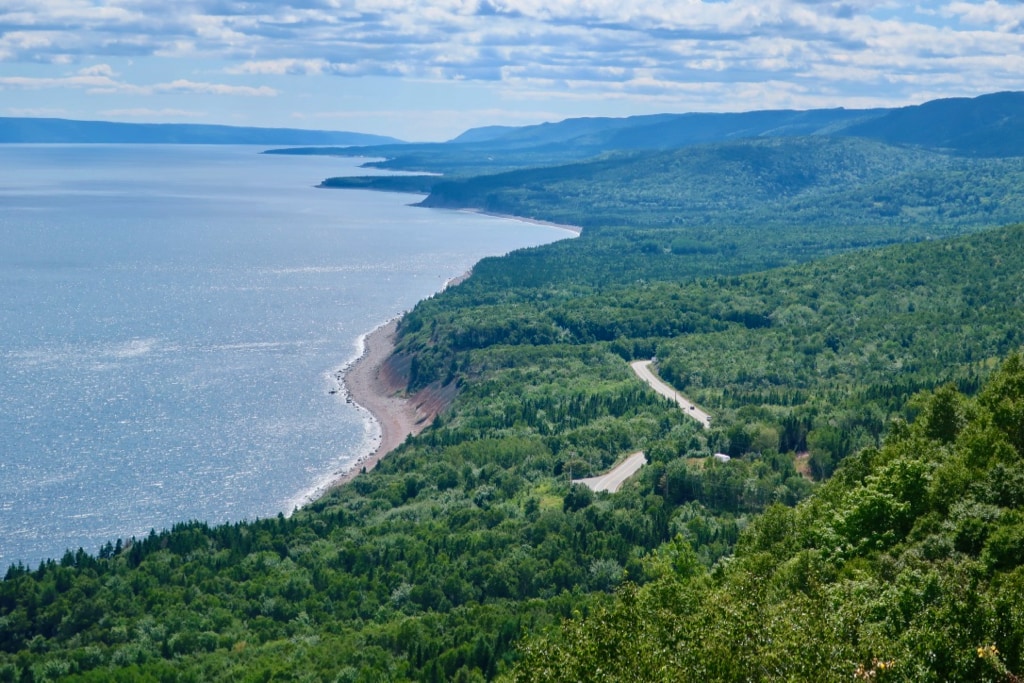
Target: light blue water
<point x="170" y="317"/>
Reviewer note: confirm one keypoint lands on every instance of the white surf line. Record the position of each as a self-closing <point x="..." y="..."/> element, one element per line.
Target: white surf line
<point x="612" y="481"/>
<point x="642" y="368"/>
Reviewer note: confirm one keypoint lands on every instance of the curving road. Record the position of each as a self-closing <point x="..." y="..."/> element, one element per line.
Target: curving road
<point x="642" y="368"/>
<point x="614" y="479"/>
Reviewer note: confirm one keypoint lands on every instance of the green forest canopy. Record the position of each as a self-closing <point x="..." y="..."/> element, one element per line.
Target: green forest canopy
<point x="436" y="564"/>
<point x="907" y="565"/>
<point x="469" y="536"/>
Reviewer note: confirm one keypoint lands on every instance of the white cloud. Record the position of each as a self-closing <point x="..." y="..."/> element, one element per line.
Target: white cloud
<point x="182" y="85"/>
<point x="144" y="113"/>
<point x="281" y="67"/>
<point x="97" y="81"/>
<point x="103" y="70"/>
<point x="45" y="112"/>
<point x="651" y="50"/>
<point x="27" y="40"/>
<point x="35" y="83"/>
<point x="1003" y="17"/>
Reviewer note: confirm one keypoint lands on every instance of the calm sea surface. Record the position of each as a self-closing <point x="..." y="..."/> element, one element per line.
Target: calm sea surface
<point x="170" y="317"/>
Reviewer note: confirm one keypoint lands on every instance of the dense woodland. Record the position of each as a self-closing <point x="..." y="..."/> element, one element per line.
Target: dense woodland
<point x="848" y="311"/>
<point x="907" y="565"/>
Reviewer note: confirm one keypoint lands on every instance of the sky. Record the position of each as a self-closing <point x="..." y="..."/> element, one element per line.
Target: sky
<point x="425" y="71"/>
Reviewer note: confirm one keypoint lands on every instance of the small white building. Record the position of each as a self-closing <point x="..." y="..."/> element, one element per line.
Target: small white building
<point x="721" y="457"/>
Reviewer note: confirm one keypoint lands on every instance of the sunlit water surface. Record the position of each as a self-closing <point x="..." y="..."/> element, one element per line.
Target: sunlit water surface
<point x="170" y="321"/>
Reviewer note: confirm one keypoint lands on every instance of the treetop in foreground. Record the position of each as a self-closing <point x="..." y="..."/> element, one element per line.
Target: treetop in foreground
<point x="908" y="565"/>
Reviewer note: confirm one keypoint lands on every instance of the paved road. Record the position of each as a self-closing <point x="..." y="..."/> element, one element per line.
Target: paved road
<point x="643" y="370"/>
<point x="614" y="479"/>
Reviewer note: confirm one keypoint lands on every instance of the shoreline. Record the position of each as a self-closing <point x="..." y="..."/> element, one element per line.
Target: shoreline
<point x="378" y="391"/>
<point x="375" y="390"/>
<point x="390" y="416"/>
<point x="368" y="387"/>
<point x="574" y="229"/>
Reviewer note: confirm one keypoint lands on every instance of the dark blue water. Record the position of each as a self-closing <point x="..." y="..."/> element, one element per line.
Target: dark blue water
<point x="170" y="319"/>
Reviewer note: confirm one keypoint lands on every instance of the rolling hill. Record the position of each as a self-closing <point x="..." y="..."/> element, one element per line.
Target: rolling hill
<point x="985" y="126"/>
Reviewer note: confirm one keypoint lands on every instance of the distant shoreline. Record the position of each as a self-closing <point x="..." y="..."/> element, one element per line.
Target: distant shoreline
<point x="575" y="229"/>
<point x="374" y="184"/>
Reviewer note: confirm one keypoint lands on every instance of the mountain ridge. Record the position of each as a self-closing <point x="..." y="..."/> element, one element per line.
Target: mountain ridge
<point x="58" y="130"/>
<point x="987" y="126"/>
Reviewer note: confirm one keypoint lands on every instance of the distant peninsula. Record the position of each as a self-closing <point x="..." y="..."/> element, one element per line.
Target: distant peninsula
<point x="47" y="130"/>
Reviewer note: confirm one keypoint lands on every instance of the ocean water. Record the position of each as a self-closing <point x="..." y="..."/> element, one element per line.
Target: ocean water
<point x="170" y="321"/>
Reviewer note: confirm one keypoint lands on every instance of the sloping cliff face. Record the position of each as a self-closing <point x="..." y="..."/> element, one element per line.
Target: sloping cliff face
<point x="428" y="402"/>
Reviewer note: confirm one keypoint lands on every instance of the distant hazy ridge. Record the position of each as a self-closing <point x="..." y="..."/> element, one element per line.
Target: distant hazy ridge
<point x="25" y="130"/>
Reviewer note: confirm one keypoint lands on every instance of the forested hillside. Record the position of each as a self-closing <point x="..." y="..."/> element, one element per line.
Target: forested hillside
<point x="432" y="566"/>
<point x="908" y="565"/>
<point x="855" y="192"/>
<point x="989" y="125"/>
<point x="740" y="206"/>
<point x="985" y="126"/>
<point x="818" y="356"/>
<point x="820" y="297"/>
